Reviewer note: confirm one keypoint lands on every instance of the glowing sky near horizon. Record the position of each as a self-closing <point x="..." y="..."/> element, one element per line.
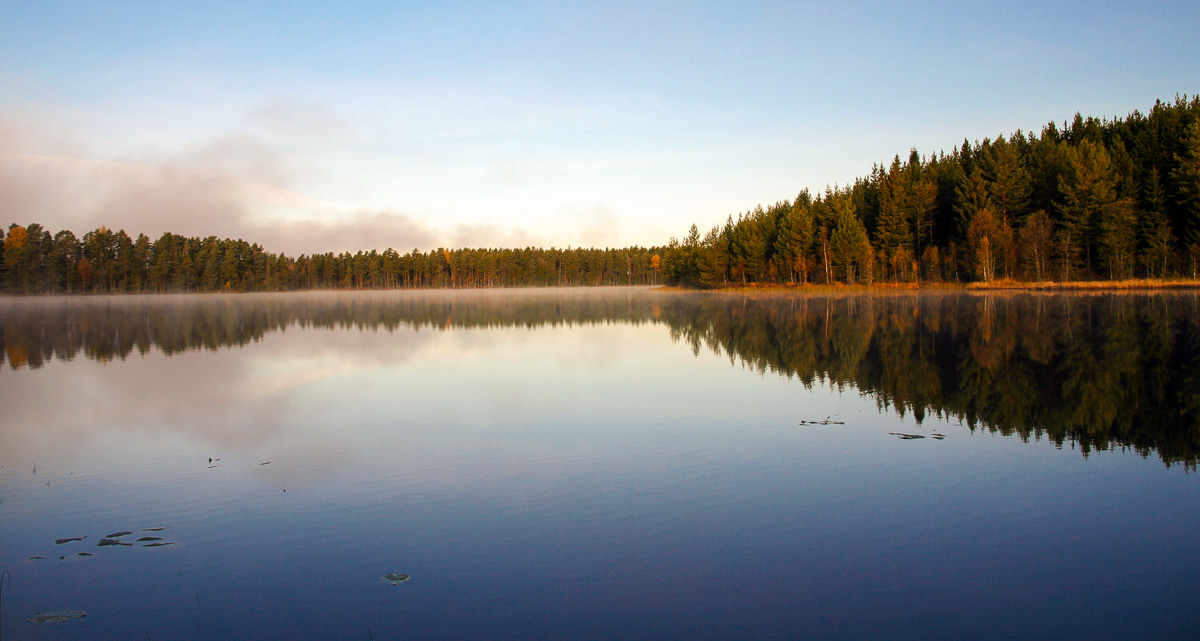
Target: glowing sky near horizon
<point x="342" y="126"/>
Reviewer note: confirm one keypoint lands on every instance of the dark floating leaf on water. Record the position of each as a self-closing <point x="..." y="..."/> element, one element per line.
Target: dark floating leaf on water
<point x="57" y="616"/>
<point x="107" y="542"/>
<point x="117" y="535"/>
<point x="34" y="558"/>
<point x="394" y="579"/>
<point x="827" y="421"/>
<point x="906" y="437"/>
<point x="938" y="437"/>
<point x="68" y="540"/>
<point x="157" y="545"/>
<point x="149" y="538"/>
<point x="83" y="554"/>
<point x="152" y="529"/>
<point x="212" y="466"/>
<point x="265" y="463"/>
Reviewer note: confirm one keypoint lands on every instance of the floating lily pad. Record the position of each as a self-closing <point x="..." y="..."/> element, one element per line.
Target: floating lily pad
<point x="68" y="540"/>
<point x="149" y="538"/>
<point x="152" y="529"/>
<point x="117" y="535"/>
<point x="157" y="545"/>
<point x="33" y="558"/>
<point x="906" y="437"/>
<point x="108" y="542"/>
<point x="83" y="554"/>
<point x="394" y="579"/>
<point x="57" y="616"/>
<point x="938" y="437"/>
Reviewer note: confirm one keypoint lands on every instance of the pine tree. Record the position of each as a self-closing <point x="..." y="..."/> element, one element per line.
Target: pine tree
<point x="793" y="237"/>
<point x="1093" y="213"/>
<point x="893" y="231"/>
<point x="1157" y="237"/>
<point x="1007" y="180"/>
<point x="1186" y="177"/>
<point x="850" y="248"/>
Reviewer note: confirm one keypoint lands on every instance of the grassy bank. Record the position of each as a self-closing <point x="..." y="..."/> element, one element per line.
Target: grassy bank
<point x="995" y="285"/>
<point x="1089" y="285"/>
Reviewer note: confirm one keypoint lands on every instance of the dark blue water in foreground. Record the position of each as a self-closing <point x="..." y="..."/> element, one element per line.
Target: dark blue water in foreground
<point x="563" y="464"/>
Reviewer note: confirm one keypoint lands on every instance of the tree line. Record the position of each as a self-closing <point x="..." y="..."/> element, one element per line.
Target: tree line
<point x="1092" y="199"/>
<point x="103" y="261"/>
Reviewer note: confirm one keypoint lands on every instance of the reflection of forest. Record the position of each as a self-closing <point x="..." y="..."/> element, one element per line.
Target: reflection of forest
<point x="1100" y="371"/>
<point x="33" y="330"/>
<point x="1097" y="370"/>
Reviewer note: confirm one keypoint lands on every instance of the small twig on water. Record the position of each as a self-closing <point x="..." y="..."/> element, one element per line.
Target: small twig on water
<point x="4" y="577"/>
<point x="369" y="633"/>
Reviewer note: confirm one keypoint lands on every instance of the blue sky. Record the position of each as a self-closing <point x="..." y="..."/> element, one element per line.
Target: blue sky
<point x="331" y="126"/>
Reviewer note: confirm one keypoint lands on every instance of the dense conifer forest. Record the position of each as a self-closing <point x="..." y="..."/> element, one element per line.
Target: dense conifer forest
<point x="1089" y="199"/>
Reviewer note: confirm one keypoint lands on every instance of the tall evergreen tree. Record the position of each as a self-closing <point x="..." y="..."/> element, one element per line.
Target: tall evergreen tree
<point x="793" y="237"/>
<point x="1157" y="238"/>
<point x="893" y="231"/>
<point x="851" y="251"/>
<point x="1186" y="177"/>
<point x="1092" y="210"/>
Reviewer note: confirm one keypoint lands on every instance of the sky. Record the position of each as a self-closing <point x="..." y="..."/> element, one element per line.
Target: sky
<point x="311" y="127"/>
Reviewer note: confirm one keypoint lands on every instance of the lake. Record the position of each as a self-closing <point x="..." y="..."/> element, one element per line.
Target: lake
<point x="600" y="464"/>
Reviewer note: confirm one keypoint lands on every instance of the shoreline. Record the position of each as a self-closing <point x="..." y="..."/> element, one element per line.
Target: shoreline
<point x="993" y="286"/>
<point x="748" y="288"/>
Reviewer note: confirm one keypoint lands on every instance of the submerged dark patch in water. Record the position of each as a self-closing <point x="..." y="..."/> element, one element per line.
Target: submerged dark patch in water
<point x="57" y="616"/>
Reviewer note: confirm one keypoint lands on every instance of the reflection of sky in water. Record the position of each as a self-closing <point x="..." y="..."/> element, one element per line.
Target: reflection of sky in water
<point x="569" y="482"/>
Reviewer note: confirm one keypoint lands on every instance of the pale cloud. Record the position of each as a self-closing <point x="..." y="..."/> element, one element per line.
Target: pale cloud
<point x="297" y="119"/>
<point x="234" y="185"/>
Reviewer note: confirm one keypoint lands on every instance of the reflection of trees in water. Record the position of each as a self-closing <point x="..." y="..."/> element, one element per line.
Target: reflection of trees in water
<point x="34" y="331"/>
<point x="1101" y="371"/>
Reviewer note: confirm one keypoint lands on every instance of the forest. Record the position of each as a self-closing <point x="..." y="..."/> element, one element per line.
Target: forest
<point x="104" y="261"/>
<point x="1090" y="199"/>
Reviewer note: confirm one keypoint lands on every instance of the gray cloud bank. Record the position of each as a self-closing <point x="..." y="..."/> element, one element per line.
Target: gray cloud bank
<point x="238" y="185"/>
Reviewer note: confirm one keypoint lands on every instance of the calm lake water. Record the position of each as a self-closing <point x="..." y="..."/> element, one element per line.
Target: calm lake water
<point x="601" y="464"/>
